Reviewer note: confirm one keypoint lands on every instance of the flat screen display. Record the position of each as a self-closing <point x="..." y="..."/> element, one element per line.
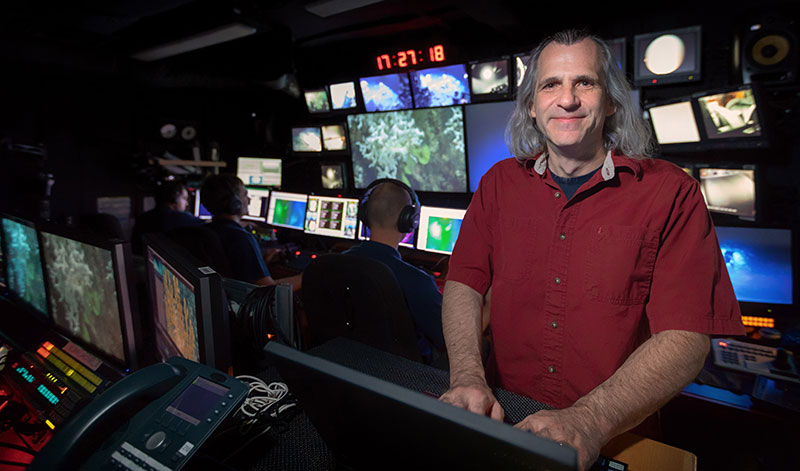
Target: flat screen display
<point x="306" y="139"/>
<point x="259" y="204"/>
<point x="330" y="216"/>
<point x="617" y="47"/>
<point x="730" y="115"/>
<point x="386" y="92"/>
<point x="83" y="293"/>
<point x="317" y="101"/>
<point x="334" y="137"/>
<point x="197" y="400"/>
<point x="259" y="171"/>
<point x="667" y="56"/>
<point x="200" y="211"/>
<point x="287" y="210"/>
<point x="729" y="191"/>
<point x="440" y="86"/>
<point x="489" y="78"/>
<point x="439" y="228"/>
<point x="343" y="95"/>
<point x="2" y="262"/>
<point x="674" y="123"/>
<point x="176" y="314"/>
<point x="520" y="66"/>
<point x="759" y="262"/>
<point x="408" y="239"/>
<point x="423" y="148"/>
<point x="486" y="144"/>
<point x="332" y="176"/>
<point x="24" y="264"/>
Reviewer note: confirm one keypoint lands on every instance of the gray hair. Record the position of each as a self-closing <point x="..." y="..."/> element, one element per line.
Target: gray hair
<point x="625" y="131"/>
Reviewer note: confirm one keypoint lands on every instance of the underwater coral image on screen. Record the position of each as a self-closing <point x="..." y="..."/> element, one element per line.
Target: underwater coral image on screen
<point x="317" y="101"/>
<point x="176" y="313"/>
<point x="440" y="86"/>
<point x="343" y="95"/>
<point x="386" y="92"/>
<point x="306" y="140"/>
<point x="423" y="148"/>
<point x="84" y="293"/>
<point x="24" y="264"/>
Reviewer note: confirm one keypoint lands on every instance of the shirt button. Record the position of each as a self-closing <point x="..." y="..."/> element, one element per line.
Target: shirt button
<point x="557" y="194"/>
<point x="554" y="324"/>
<point x="551" y="369"/>
<point x="557" y="280"/>
<point x="562" y="236"/>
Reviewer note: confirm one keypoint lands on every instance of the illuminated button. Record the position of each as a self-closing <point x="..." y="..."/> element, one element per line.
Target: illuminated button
<point x="554" y="324"/>
<point x="551" y="369"/>
<point x="557" y="194"/>
<point x="557" y="280"/>
<point x="562" y="236"/>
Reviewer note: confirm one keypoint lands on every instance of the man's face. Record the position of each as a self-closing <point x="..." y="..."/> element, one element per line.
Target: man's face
<point x="183" y="200"/>
<point x="569" y="103"/>
<point x="245" y="199"/>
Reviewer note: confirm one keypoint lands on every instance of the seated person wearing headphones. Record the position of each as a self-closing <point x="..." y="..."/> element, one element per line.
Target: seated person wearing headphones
<point x="390" y="209"/>
<point x="226" y="199"/>
<point x="172" y="198"/>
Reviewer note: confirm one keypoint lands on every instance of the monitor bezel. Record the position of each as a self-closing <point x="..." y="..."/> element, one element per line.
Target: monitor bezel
<point x="197" y="204"/>
<point x="756" y="142"/>
<point x="413" y="78"/>
<point x="345" y="199"/>
<point x="270" y="187"/>
<point x="676" y="146"/>
<point x="342" y="168"/>
<point x="122" y="262"/>
<point x="272" y="198"/>
<point x="355" y="97"/>
<point x="623" y="59"/>
<point x="250" y="217"/>
<point x="727" y="217"/>
<point x="640" y="80"/>
<point x="13" y="296"/>
<point x="213" y="331"/>
<point x="517" y="78"/>
<point x="346" y="150"/>
<point x="307" y="152"/>
<point x="418" y="236"/>
<point x="323" y="89"/>
<point x="360" y="92"/>
<point x="487" y="97"/>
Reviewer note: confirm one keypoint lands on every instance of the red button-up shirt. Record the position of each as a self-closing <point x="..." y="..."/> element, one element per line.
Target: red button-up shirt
<point x="579" y="284"/>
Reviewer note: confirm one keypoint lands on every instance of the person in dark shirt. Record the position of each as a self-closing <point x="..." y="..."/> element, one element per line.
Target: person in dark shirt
<point x="172" y="198"/>
<point x="384" y="203"/>
<point x="225" y="197"/>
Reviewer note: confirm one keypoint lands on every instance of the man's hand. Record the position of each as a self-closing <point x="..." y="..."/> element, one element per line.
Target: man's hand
<point x="474" y="395"/>
<point x="571" y="427"/>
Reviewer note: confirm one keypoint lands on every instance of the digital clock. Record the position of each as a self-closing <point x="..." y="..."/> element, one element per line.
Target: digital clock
<point x="410" y="57"/>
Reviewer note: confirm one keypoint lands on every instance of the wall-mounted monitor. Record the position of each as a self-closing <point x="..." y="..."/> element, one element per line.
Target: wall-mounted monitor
<point x="440" y="86"/>
<point x="343" y="95"/>
<point x="200" y="211"/>
<point x="3" y="285"/>
<point x="674" y="123"/>
<point x="332" y="176"/>
<point x="489" y="80"/>
<point x="334" y="137"/>
<point x="90" y="293"/>
<point x="23" y="258"/>
<point x="486" y="143"/>
<point x="386" y="92"/>
<point x="259" y="204"/>
<point x="408" y="238"/>
<point x="732" y="117"/>
<point x="331" y="216"/>
<point x="618" y="50"/>
<point x="520" y="66"/>
<point x="667" y="57"/>
<point x="188" y="306"/>
<point x="317" y="100"/>
<point x="306" y="139"/>
<point x="423" y="148"/>
<point x="287" y="210"/>
<point x="259" y="171"/>
<point x="439" y="228"/>
<point x="729" y="191"/>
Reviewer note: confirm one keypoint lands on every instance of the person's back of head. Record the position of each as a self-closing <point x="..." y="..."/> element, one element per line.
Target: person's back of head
<point x="384" y="205"/>
<point x="222" y="195"/>
<point x="172" y="194"/>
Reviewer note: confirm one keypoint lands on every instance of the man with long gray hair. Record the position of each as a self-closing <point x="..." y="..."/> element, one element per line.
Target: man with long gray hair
<point x="605" y="272"/>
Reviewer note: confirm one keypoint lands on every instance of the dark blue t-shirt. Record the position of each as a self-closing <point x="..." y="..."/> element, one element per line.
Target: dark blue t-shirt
<point x="161" y="220"/>
<point x="570" y="185"/>
<point x="423" y="297"/>
<point x="242" y="250"/>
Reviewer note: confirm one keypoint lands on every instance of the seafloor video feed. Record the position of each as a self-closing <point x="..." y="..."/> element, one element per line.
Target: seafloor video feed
<point x="24" y="264"/>
<point x="441" y="86"/>
<point x="442" y="233"/>
<point x="306" y="140"/>
<point x="489" y="77"/>
<point x="729" y="191"/>
<point x="177" y="315"/>
<point x="386" y="92"/>
<point x="317" y="101"/>
<point x="423" y="148"/>
<point x="82" y="286"/>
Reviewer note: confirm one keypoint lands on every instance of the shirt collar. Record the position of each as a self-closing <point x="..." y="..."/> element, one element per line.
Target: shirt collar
<point x="608" y="171"/>
<point x="377" y="246"/>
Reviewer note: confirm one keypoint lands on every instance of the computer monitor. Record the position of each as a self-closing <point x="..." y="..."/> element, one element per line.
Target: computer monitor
<point x="331" y="216"/>
<point x="287" y="210"/>
<point x="486" y="142"/>
<point x="408" y="239"/>
<point x="317" y="100"/>
<point x="386" y="92"/>
<point x="200" y="211"/>
<point x="259" y="171"/>
<point x="440" y="86"/>
<point x="423" y="148"/>
<point x="759" y="262"/>
<point x="351" y="410"/>
<point x="667" y="57"/>
<point x="24" y="274"/>
<point x="732" y="117"/>
<point x="334" y="137"/>
<point x="343" y="95"/>
<point x="187" y="305"/>
<point x="259" y="204"/>
<point x="729" y="191"/>
<point x="332" y="176"/>
<point x="91" y="293"/>
<point x="489" y="80"/>
<point x="520" y="66"/>
<point x="3" y="285"/>
<point x="618" y="50"/>
<point x="439" y="228"/>
<point x="306" y="139"/>
<point x="674" y="123"/>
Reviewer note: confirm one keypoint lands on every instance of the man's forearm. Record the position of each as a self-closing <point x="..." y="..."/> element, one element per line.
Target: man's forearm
<point x="653" y="374"/>
<point x="461" y="321"/>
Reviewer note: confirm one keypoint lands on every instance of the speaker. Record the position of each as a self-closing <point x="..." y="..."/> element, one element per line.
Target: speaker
<point x="409" y="215"/>
<point x="769" y="51"/>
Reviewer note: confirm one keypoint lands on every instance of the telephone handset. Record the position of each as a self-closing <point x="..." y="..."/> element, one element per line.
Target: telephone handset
<point x="179" y="405"/>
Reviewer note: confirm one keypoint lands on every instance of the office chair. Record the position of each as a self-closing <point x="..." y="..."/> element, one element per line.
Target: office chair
<point x="358" y="298"/>
<point x="204" y="245"/>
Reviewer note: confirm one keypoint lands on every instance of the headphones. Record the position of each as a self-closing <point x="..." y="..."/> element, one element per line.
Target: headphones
<point x="409" y="215"/>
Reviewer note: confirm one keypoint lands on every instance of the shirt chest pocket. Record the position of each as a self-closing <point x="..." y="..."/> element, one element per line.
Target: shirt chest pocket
<point x="619" y="265"/>
<point x="514" y="246"/>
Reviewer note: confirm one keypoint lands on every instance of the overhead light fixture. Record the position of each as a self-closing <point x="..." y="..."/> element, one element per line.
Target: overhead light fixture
<point x="326" y="8"/>
<point x="197" y="41"/>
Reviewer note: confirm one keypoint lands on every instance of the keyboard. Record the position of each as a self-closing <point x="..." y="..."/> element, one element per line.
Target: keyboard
<point x="607" y="464"/>
<point x="755" y="359"/>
